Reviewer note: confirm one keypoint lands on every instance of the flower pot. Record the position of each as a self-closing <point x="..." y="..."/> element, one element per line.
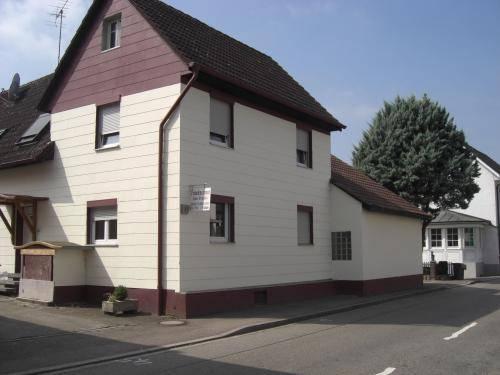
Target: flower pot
<point x="128" y="305"/>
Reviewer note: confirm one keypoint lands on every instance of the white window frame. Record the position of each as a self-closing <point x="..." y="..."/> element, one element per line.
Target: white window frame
<point x="448" y="246"/>
<point x="106" y="44"/>
<point x="106" y="219"/>
<point x="225" y="239"/>
<point x="345" y="252"/>
<point x="431" y="240"/>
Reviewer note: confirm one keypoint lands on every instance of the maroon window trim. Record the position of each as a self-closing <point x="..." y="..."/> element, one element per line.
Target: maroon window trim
<point x="103" y="203"/>
<point x="308" y="209"/>
<point x="229" y="100"/>
<point x="229" y="201"/>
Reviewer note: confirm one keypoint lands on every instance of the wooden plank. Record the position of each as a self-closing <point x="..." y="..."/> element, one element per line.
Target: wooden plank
<point x="6" y="222"/>
<point x="38" y="252"/>
<point x="26" y="219"/>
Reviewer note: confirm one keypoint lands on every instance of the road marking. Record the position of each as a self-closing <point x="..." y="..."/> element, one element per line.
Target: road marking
<point x="387" y="371"/>
<point x="458" y="333"/>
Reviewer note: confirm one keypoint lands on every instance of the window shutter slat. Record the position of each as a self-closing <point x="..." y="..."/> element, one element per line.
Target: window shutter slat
<point x="110" y="119"/>
<point x="220" y="117"/>
<point x="104" y="212"/>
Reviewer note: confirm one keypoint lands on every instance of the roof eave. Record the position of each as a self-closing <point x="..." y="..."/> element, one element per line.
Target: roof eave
<point x="46" y="154"/>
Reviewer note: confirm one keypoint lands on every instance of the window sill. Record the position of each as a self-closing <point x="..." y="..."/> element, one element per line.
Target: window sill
<point x="305" y="244"/>
<point x="103" y="245"/>
<point x="108" y="147"/>
<point x="303" y="166"/>
<point x="221" y="145"/>
<point x="110" y="49"/>
<point x="220" y="242"/>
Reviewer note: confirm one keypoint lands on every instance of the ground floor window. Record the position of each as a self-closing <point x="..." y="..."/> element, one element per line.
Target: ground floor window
<point x="221" y="219"/>
<point x="341" y="246"/>
<point x="436" y="238"/>
<point x="469" y="240"/>
<point x="102" y="222"/>
<point x="452" y="237"/>
<point x="305" y="225"/>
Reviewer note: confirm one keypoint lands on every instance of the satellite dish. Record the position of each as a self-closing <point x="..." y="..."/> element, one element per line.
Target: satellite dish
<point x="14" y="87"/>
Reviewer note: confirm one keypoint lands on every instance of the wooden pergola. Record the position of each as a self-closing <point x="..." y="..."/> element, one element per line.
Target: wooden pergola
<point x="18" y="202"/>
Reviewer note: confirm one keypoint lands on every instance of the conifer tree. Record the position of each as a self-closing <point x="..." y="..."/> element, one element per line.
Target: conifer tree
<point x="414" y="148"/>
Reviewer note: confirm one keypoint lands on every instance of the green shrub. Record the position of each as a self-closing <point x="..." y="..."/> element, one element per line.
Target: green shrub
<point x="120" y="293"/>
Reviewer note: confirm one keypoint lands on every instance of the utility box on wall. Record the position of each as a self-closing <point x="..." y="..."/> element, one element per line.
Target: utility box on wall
<point x="47" y="266"/>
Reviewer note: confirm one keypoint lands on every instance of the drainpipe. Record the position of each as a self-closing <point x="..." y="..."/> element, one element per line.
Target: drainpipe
<point x="161" y="138"/>
<point x="497" y="185"/>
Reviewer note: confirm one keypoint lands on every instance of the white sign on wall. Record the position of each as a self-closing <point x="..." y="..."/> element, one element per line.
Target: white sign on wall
<point x="200" y="198"/>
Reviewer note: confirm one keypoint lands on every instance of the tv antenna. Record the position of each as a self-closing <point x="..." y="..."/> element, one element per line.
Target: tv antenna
<point x="59" y="11"/>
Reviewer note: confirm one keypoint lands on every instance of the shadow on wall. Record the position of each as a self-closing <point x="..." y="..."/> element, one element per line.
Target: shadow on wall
<point x="44" y="346"/>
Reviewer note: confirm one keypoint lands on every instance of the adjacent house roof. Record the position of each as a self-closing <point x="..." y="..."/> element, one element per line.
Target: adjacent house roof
<point x="486" y="159"/>
<point x="452" y="217"/>
<point x="218" y="55"/>
<point x="17" y="117"/>
<point x="370" y="193"/>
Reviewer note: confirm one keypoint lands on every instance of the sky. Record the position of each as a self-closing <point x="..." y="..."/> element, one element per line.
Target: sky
<point x="351" y="55"/>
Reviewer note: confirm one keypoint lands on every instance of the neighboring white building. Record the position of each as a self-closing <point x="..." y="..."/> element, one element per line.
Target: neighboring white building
<point x="235" y="122"/>
<point x="471" y="235"/>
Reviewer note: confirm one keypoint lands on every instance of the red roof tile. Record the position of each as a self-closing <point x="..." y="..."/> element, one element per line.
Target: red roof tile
<point x="370" y="193"/>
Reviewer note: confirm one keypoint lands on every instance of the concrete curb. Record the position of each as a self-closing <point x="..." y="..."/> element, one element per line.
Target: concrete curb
<point x="234" y="332"/>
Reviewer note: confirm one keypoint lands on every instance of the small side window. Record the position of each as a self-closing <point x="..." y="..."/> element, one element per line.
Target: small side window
<point x="305" y="225"/>
<point x="221" y="219"/>
<point x="111" y="32"/>
<point x="341" y="246"/>
<point x="304" y="152"/>
<point x="221" y="122"/>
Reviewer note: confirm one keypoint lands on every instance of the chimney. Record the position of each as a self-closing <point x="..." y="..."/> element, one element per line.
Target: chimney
<point x="14" y="88"/>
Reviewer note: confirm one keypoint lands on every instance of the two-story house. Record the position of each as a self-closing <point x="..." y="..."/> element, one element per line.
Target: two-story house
<point x="149" y="105"/>
<point x="471" y="236"/>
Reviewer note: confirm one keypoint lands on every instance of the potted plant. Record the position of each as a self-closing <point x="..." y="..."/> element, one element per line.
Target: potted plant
<point x="117" y="302"/>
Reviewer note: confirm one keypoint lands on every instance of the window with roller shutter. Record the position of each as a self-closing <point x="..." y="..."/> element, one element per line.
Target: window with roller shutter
<point x="108" y="125"/>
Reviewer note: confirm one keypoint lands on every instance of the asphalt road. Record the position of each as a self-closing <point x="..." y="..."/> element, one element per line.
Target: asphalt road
<point x="456" y="331"/>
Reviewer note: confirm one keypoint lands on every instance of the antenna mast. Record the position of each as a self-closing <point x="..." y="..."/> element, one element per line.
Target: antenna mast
<point x="59" y="16"/>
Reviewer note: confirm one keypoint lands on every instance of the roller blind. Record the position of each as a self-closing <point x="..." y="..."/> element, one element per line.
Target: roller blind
<point x="304" y="227"/>
<point x="303" y="140"/>
<point x="220" y="117"/>
<point x="104" y="212"/>
<point x="109" y="118"/>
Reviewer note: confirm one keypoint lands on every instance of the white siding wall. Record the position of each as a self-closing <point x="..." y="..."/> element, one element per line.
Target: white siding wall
<point x="262" y="175"/>
<point x="347" y="215"/>
<point x="80" y="174"/>
<point x="483" y="204"/>
<point x="392" y="245"/>
<point x="7" y="257"/>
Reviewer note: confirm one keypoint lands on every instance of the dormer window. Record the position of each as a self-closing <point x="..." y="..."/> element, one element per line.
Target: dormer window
<point x="35" y="130"/>
<point x="111" y="32"/>
<point x="2" y="132"/>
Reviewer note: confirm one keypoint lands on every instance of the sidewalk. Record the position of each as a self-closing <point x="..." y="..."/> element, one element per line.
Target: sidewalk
<point x="79" y="330"/>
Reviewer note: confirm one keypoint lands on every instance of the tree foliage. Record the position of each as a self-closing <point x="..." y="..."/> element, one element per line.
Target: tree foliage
<point x="414" y="148"/>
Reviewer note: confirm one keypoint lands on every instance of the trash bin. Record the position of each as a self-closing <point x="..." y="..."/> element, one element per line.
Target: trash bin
<point x="458" y="271"/>
<point x="442" y="268"/>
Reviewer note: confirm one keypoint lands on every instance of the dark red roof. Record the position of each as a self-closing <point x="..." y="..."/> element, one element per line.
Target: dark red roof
<point x="370" y="193"/>
<point x="217" y="55"/>
<point x="227" y="57"/>
<point x="17" y="117"/>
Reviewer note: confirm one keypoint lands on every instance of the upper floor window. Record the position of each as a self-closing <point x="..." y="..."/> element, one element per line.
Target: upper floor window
<point x="108" y="125"/>
<point x="304" y="148"/>
<point x="436" y="238"/>
<point x="102" y="221"/>
<point x="221" y="122"/>
<point x="469" y="240"/>
<point x="111" y="32"/>
<point x="305" y="225"/>
<point x="221" y="219"/>
<point x="452" y="237"/>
